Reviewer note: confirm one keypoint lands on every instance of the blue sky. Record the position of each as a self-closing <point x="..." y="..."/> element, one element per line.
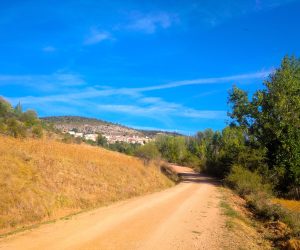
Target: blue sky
<point x="148" y="64"/>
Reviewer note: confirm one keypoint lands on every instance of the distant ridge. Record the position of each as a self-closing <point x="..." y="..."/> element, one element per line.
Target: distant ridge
<point x="77" y="121"/>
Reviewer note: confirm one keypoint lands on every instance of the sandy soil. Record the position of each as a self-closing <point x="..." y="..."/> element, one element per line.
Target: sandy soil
<point x="187" y="216"/>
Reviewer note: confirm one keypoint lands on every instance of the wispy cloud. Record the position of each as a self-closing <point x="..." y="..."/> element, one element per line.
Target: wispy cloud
<point x="153" y="107"/>
<point x="161" y="110"/>
<point x="43" y="82"/>
<point x="56" y="80"/>
<point x="97" y="36"/>
<point x="149" y="23"/>
<point x="49" y="49"/>
<point x="214" y="80"/>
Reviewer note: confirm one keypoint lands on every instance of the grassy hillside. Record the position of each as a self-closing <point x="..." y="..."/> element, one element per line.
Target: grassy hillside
<point x="42" y="179"/>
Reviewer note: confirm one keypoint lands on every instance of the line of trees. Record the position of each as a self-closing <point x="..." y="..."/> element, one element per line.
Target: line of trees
<point x="270" y="123"/>
<point x="263" y="137"/>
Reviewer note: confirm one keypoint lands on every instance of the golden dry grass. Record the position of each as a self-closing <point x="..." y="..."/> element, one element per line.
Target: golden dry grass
<point x="45" y="179"/>
<point x="292" y="205"/>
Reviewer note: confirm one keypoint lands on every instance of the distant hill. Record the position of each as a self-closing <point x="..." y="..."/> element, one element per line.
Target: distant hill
<point x="93" y="125"/>
<point x="75" y="119"/>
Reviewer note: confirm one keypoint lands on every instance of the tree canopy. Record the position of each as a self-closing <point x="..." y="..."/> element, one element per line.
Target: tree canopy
<point x="272" y="119"/>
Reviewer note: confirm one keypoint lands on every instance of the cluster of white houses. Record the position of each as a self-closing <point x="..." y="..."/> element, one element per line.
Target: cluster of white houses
<point x="91" y="137"/>
<point x="131" y="138"/>
<point x="127" y="138"/>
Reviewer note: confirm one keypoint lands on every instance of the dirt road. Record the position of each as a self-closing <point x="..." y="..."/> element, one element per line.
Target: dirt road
<point x="186" y="216"/>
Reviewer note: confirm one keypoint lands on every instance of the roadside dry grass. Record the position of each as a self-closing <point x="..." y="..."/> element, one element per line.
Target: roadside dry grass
<point x="292" y="205"/>
<point x="41" y="180"/>
<point x="242" y="230"/>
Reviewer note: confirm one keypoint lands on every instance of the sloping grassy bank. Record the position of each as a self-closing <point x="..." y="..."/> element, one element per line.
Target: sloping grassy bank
<point x="282" y="222"/>
<point x="42" y="180"/>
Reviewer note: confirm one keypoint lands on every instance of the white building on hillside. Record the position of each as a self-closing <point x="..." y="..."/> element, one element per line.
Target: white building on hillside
<point x="71" y="132"/>
<point x="78" y="135"/>
<point x="92" y="137"/>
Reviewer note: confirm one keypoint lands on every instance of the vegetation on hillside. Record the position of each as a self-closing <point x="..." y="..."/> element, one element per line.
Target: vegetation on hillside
<point x="15" y="122"/>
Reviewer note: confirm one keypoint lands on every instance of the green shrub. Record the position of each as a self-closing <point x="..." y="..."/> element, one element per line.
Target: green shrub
<point x="172" y="148"/>
<point x="246" y="182"/>
<point x="191" y="160"/>
<point x="148" y="152"/>
<point x="5" y="108"/>
<point x="19" y="124"/>
<point x="16" y="128"/>
<point x="261" y="204"/>
<point x="29" y="118"/>
<point x="259" y="197"/>
<point x="37" y="131"/>
<point x="101" y="140"/>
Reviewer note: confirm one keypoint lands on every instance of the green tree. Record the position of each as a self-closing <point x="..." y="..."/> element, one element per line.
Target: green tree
<point x="5" y="108"/>
<point x="29" y="118"/>
<point x="101" y="140"/>
<point x="37" y="131"/>
<point x="272" y="117"/>
<point x="18" y="110"/>
<point x="15" y="128"/>
<point x="124" y="147"/>
<point x="148" y="152"/>
<point x="172" y="148"/>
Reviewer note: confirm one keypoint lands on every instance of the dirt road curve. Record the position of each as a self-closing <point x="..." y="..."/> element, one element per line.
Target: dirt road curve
<point x="183" y="217"/>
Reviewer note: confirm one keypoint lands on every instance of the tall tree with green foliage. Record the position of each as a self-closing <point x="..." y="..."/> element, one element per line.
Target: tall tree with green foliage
<point x="172" y="148"/>
<point x="272" y="117"/>
<point x="18" y="110"/>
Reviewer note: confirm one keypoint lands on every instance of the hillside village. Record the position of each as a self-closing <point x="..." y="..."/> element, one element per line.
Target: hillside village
<point x="90" y="128"/>
<point x="110" y="137"/>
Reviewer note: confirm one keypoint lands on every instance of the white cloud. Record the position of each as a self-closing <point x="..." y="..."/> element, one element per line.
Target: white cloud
<point x="43" y="82"/>
<point x="152" y="107"/>
<point x="149" y="23"/>
<point x="49" y="49"/>
<point x="159" y="111"/>
<point x="97" y="36"/>
<point x="214" y="80"/>
<point x="56" y="80"/>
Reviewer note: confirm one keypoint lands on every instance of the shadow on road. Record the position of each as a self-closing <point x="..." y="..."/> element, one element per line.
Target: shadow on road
<point x="181" y="174"/>
<point x="197" y="178"/>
